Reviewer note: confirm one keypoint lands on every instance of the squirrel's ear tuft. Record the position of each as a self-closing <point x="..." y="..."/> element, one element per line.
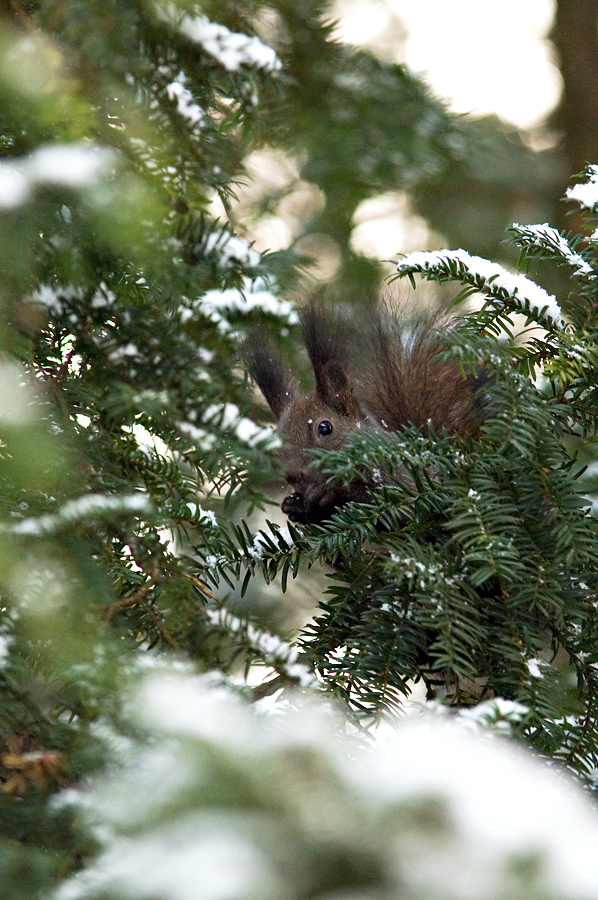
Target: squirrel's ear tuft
<point x="273" y="377"/>
<point x="327" y="343"/>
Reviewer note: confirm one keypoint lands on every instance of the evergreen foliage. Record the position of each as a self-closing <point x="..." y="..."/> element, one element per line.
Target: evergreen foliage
<point x="132" y="448"/>
<point x="477" y="572"/>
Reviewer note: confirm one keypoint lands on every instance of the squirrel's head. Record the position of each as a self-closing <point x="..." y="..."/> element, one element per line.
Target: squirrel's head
<point x="403" y="383"/>
<point x="318" y="420"/>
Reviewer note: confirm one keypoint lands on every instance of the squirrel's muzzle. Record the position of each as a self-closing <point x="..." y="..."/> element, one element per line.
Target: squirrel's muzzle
<point x="314" y="502"/>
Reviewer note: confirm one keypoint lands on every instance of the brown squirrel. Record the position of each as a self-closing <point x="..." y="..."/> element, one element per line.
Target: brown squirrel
<point x="398" y="383"/>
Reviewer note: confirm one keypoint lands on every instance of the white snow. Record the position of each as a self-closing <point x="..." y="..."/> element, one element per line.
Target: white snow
<point x="228" y="417"/>
<point x="186" y="105"/>
<point x="202" y="439"/>
<point x="586" y="193"/>
<point x="497" y="714"/>
<point x="53" y="297"/>
<point x="74" y="165"/>
<point x="231" y="49"/>
<point x="453" y="813"/>
<point x="255" y="295"/>
<point x="248" y="432"/>
<point x="212" y="561"/>
<point x="75" y="510"/>
<point x="14" y="185"/>
<point x="103" y="297"/>
<point x="5" y="642"/>
<point x="499" y="802"/>
<point x="491" y="274"/>
<point x="231" y="248"/>
<point x="203" y="856"/>
<point x="197" y="512"/>
<point x="550" y="237"/>
<point x="272" y="647"/>
<point x="127" y="350"/>
<point x="71" y="165"/>
<point x="180" y="705"/>
<point x="17" y="395"/>
<point x="534" y="669"/>
<point x="260" y="543"/>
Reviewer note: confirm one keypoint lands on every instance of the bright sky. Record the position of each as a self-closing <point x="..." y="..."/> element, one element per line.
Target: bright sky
<point x="482" y="56"/>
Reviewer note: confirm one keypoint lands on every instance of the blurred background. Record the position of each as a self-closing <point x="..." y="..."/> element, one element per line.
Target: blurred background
<point x="414" y="126"/>
<point x="496" y="110"/>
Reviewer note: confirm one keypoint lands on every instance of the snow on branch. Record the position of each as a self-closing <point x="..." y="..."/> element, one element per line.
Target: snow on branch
<point x="231" y="249"/>
<point x="57" y="298"/>
<point x="282" y="655"/>
<point x="228" y="417"/>
<point x="178" y="92"/>
<point x="545" y="237"/>
<point x="68" y="165"/>
<point x="91" y="505"/>
<point x="255" y="296"/>
<point x="585" y="193"/>
<point x="231" y="49"/>
<point x="487" y="277"/>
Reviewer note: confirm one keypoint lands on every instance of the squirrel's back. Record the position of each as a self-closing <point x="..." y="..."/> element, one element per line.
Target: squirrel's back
<point x="402" y="382"/>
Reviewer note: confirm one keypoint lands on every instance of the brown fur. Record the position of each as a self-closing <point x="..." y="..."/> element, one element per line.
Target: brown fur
<point x="396" y="381"/>
<point x="405" y="384"/>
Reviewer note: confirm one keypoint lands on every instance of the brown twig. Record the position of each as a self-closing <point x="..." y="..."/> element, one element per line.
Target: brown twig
<point x="63" y="370"/>
<point x="138" y="598"/>
<point x="131" y="599"/>
<point x="202" y="587"/>
<point x="161" y="627"/>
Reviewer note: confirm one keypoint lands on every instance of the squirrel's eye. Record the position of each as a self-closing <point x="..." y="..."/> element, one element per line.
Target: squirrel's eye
<point x="324" y="428"/>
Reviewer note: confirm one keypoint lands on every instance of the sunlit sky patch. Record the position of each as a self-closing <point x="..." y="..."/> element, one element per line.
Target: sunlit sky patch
<point x="482" y="57"/>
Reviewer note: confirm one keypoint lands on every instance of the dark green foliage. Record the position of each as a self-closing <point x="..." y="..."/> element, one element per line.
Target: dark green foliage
<point x="131" y="446"/>
<point x="121" y="404"/>
<point x="476" y="571"/>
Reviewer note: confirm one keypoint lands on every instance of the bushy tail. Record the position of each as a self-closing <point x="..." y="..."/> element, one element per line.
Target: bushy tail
<point x="404" y="383"/>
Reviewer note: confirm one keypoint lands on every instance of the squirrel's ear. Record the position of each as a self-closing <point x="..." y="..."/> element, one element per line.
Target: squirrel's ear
<point x="327" y="344"/>
<point x="335" y="387"/>
<point x="273" y="377"/>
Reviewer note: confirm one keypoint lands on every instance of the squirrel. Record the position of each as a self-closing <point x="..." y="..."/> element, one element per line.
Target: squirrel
<point x="400" y="382"/>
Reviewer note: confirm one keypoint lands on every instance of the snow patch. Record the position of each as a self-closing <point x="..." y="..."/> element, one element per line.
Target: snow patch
<point x="585" y="193"/>
<point x="196" y="512"/>
<point x="270" y="646"/>
<point x="255" y="296"/>
<point x="17" y="396"/>
<point x="232" y="249"/>
<point x="70" y="165"/>
<point x="491" y="274"/>
<point x="5" y="642"/>
<point x="186" y="105"/>
<point x="231" y="49"/>
<point x="202" y="439"/>
<point x="227" y="416"/>
<point x="202" y="856"/>
<point x="534" y="669"/>
<point x="453" y="813"/>
<point x="552" y="239"/>
<point x="76" y="510"/>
